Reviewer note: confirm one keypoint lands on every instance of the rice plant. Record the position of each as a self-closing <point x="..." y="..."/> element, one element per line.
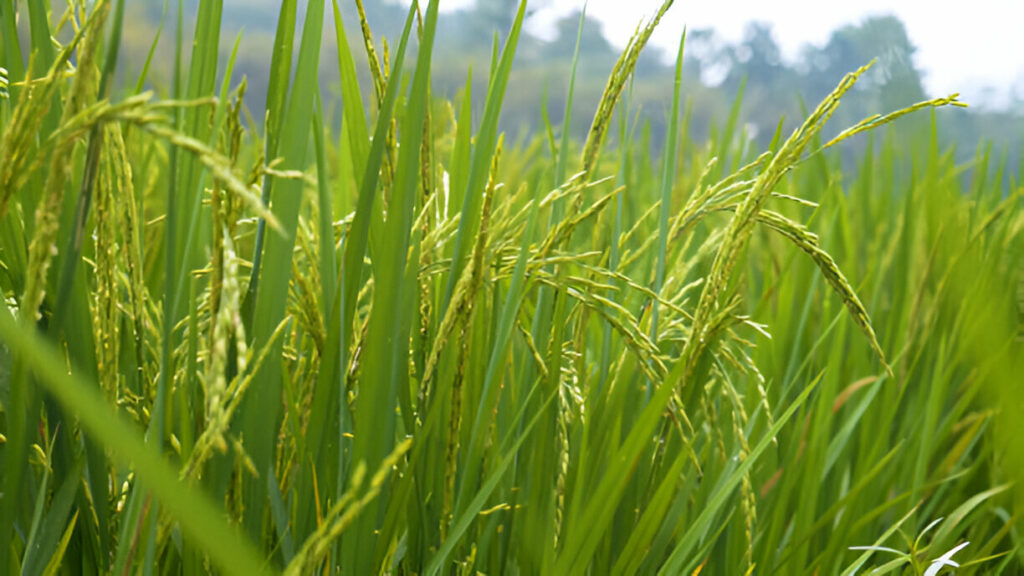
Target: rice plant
<point x="237" y="345"/>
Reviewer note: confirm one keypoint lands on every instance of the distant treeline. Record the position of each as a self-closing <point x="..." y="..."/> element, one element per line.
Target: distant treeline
<point x="716" y="72"/>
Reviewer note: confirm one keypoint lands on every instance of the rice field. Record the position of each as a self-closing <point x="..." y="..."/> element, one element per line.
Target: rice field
<point x="240" y="345"/>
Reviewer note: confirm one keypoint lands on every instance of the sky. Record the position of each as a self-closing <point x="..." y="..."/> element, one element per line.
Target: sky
<point x="961" y="46"/>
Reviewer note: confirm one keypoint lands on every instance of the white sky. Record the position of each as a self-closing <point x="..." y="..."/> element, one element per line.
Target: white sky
<point x="960" y="48"/>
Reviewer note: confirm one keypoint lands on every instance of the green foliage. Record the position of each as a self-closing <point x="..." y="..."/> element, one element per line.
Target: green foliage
<point x="242" y="346"/>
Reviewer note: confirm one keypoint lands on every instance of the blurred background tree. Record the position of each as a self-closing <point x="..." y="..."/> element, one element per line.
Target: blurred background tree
<point x="893" y="82"/>
<point x="714" y="70"/>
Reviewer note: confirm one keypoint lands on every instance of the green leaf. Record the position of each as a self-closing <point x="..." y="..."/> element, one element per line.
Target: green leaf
<point x="277" y="98"/>
<point x="45" y="543"/>
<point x="483" y="152"/>
<point x="668" y="180"/>
<point x="196" y="514"/>
<point x="460" y="524"/>
<point x="723" y="490"/>
<point x="387" y="350"/>
<point x="261" y="408"/>
<point x="57" y="559"/>
<point x="355" y="247"/>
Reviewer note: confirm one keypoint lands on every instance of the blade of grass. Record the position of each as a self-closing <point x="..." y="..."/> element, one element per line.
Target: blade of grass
<point x="387" y="351"/>
<point x="485" y="143"/>
<point x="47" y="540"/>
<point x="700" y="526"/>
<point x="358" y="237"/>
<point x="277" y="99"/>
<point x="668" y="179"/>
<point x="261" y="408"/>
<point x="198" y="517"/>
<point x="463" y="521"/>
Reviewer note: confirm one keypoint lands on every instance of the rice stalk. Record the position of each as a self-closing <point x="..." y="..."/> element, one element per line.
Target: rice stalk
<point x="138" y="293"/>
<point x="222" y="400"/>
<point x="115" y="176"/>
<point x="739" y="229"/>
<point x="32" y="107"/>
<point x="621" y="72"/>
<point x="344" y="512"/>
<point x="464" y="299"/>
<point x="42" y="248"/>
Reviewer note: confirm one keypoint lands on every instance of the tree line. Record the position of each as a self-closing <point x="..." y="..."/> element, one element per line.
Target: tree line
<point x="750" y="74"/>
